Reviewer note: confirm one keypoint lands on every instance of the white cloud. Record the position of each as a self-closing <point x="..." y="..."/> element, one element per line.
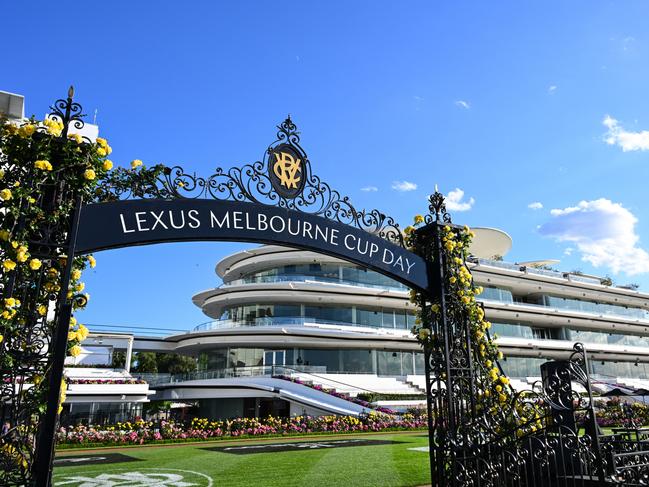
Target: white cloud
<point x="404" y="186"/>
<point x="552" y="89"/>
<point x="463" y="104"/>
<point x="568" y="251"/>
<point x="370" y="189"/>
<point x="454" y="201"/>
<point x="603" y="233"/>
<point x="536" y="205"/>
<point x="628" y="141"/>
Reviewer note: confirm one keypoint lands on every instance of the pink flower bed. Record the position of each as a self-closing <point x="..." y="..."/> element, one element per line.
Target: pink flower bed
<point x="105" y="381"/>
<point x="140" y="432"/>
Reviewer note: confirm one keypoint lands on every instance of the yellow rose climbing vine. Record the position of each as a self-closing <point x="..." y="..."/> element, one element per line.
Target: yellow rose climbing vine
<point x="42" y="173"/>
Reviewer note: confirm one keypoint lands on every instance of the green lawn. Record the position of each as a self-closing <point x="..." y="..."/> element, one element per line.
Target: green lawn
<point x="390" y="464"/>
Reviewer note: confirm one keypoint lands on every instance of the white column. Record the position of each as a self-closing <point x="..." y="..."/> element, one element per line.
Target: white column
<point x="129" y="352"/>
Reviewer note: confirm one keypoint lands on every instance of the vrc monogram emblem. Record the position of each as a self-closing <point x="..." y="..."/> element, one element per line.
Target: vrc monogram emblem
<point x="286" y="170"/>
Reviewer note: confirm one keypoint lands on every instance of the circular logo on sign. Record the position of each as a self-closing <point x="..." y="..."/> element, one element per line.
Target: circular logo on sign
<point x="286" y="170"/>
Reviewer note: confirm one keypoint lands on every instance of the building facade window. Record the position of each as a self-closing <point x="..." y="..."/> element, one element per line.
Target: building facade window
<point x="357" y="361"/>
<point x="286" y="314"/>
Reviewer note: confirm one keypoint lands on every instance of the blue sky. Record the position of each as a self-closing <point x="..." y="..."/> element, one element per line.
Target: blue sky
<point x="513" y="103"/>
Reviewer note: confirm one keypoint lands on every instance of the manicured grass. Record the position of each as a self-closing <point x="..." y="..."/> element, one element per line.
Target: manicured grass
<point x="372" y="465"/>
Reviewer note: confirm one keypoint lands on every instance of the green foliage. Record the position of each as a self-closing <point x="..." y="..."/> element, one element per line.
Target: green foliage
<point x="172" y="363"/>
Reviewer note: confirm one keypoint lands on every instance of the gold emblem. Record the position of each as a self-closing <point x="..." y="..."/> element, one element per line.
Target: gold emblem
<point x="286" y="168"/>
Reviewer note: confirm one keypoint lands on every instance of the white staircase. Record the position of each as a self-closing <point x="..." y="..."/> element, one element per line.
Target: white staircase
<point x="355" y="384"/>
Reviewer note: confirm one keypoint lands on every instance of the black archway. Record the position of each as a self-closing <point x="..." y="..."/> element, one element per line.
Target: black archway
<point x="277" y="200"/>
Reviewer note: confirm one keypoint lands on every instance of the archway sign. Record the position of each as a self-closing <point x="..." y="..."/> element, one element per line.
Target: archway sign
<point x="277" y="201"/>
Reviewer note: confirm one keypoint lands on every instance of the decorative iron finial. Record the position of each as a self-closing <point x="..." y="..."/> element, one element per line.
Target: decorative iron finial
<point x="67" y="112"/>
<point x="288" y="131"/>
<point x="437" y="208"/>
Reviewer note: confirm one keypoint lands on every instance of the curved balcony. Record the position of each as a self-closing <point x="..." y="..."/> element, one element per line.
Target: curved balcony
<point x="280" y="321"/>
<point x="596" y="310"/>
<point x="312" y="278"/>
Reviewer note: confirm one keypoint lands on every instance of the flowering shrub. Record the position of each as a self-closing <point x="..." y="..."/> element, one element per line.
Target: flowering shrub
<point x="43" y="172"/>
<point x="498" y="408"/>
<point x="616" y="413"/>
<point x="140" y="432"/>
<point x="332" y="392"/>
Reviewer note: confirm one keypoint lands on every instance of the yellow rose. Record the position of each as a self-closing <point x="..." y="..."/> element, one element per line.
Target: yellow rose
<point x="419" y="219"/>
<point x="136" y="163"/>
<point x="108" y="149"/>
<point x="10" y="302"/>
<point x="72" y="335"/>
<point x="5" y="194"/>
<point x="108" y="165"/>
<point x="89" y="174"/>
<point x="75" y="351"/>
<point x="9" y="265"/>
<point x="101" y="152"/>
<point x="102" y="142"/>
<point x="79" y="287"/>
<point x="43" y="165"/>
<point x="27" y="130"/>
<point x="35" y="264"/>
<point x="22" y="256"/>
<point x="42" y="310"/>
<point x="1" y="338"/>
<point x="82" y="333"/>
<point x="73" y="321"/>
<point x="91" y="261"/>
<point x="76" y="274"/>
<point x="54" y="127"/>
<point x="76" y="137"/>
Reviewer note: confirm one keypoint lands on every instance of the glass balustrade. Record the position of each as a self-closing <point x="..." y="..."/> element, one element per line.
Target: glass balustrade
<point x="395" y="286"/>
<point x="293" y="321"/>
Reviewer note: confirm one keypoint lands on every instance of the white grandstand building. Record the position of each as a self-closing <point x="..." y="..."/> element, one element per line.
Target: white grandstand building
<point x="285" y="320"/>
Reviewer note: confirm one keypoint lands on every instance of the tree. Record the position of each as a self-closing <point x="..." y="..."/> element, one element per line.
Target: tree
<point x="163" y="363"/>
<point x="146" y="362"/>
<point x="175" y="364"/>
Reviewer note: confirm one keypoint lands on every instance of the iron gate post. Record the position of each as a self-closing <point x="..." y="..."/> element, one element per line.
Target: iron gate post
<point x="44" y="455"/>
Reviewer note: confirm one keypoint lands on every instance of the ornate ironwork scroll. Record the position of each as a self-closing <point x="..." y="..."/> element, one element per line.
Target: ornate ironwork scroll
<point x="261" y="182"/>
